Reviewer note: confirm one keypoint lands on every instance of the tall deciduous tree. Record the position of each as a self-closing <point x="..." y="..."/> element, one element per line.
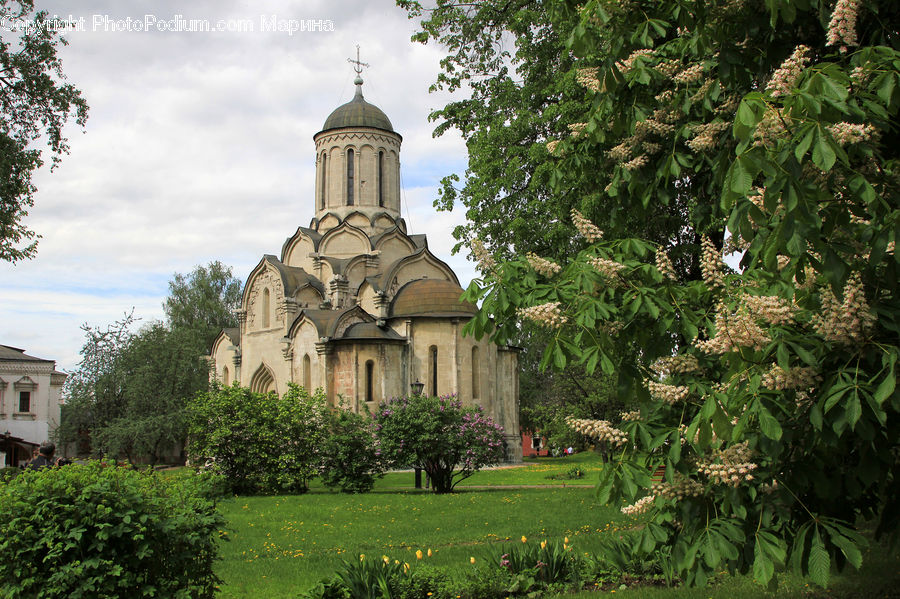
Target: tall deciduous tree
<point x="35" y="104"/>
<point x="94" y="390"/>
<point x="512" y="61"/>
<point x="522" y="82"/>
<point x="128" y="395"/>
<point x="769" y="394"/>
<point x="160" y="370"/>
<point x="203" y="301"/>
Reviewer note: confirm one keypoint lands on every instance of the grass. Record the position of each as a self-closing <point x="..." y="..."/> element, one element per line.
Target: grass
<point x="533" y="472"/>
<point x="278" y="546"/>
<point x="285" y="544"/>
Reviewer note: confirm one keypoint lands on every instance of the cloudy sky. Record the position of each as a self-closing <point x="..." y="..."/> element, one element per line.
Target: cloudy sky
<point x="199" y="147"/>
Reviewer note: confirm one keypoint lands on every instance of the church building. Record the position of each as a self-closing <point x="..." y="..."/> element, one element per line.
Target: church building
<point x="357" y="305"/>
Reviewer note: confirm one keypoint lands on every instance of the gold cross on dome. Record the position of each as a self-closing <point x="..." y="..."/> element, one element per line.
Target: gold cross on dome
<point x="358" y="66"/>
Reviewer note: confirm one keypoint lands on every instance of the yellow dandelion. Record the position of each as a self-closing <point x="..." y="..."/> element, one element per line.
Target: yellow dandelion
<point x="418" y="554"/>
<point x="524" y="539"/>
<point x="405" y="567"/>
<point x="429" y="553"/>
<point x="566" y="540"/>
<point x="471" y="560"/>
<point x="386" y="559"/>
<point x="362" y="557"/>
<point x="543" y="544"/>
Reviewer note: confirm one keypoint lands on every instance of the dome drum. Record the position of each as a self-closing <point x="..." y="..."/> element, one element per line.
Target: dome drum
<point x="357" y="169"/>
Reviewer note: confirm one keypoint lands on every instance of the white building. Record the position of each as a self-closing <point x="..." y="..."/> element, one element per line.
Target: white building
<point x="30" y="390"/>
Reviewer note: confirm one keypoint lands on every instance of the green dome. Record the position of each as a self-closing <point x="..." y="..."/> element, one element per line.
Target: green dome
<point x="358" y="113"/>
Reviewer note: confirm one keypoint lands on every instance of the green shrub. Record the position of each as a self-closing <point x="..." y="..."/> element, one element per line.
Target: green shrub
<point x="350" y="454"/>
<point x="615" y="558"/>
<point x="424" y="581"/>
<point x="488" y="583"/>
<point x="533" y="571"/>
<point x="547" y="562"/>
<point x="573" y="473"/>
<point x="105" y="532"/>
<point x="365" y="578"/>
<point x="9" y="473"/>
<point x="333" y="588"/>
<point x="372" y="578"/>
<point x="259" y="442"/>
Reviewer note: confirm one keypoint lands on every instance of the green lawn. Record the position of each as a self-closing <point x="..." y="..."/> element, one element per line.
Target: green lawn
<point x="281" y="545"/>
<point x="533" y="472"/>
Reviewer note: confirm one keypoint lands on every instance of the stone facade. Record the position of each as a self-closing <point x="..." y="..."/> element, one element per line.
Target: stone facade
<point x="30" y="390"/>
<point x="355" y="304"/>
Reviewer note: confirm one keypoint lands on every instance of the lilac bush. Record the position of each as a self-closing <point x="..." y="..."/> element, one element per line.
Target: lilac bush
<point x="439" y="435"/>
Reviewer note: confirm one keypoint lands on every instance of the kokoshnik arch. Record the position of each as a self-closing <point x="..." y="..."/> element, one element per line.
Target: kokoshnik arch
<point x="355" y="304"/>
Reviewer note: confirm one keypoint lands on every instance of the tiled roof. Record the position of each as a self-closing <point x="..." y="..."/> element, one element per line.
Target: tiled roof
<point x="14" y="354"/>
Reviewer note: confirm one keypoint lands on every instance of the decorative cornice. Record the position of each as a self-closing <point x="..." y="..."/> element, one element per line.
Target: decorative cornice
<point x="357" y="135"/>
<point x="381" y="299"/>
<point x="13" y="368"/>
<point x="288" y="306"/>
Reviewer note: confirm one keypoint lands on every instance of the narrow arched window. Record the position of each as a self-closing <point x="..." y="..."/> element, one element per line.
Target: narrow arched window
<point x="381" y="179"/>
<point x="476" y="365"/>
<point x="434" y="370"/>
<point x="324" y="181"/>
<point x="370" y="381"/>
<point x="226" y="379"/>
<point x="307" y="373"/>
<point x="265" y="308"/>
<point x="350" y="177"/>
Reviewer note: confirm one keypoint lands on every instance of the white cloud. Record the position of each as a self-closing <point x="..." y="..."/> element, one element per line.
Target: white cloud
<point x="199" y="147"/>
